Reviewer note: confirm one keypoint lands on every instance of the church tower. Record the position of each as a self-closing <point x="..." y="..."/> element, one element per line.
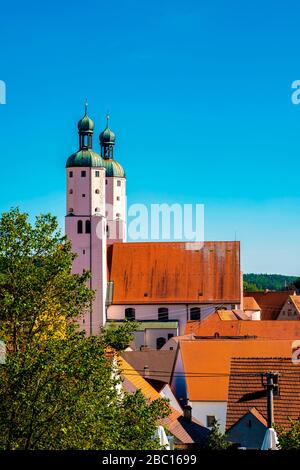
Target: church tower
<point x="115" y="188"/>
<point x="85" y="221"/>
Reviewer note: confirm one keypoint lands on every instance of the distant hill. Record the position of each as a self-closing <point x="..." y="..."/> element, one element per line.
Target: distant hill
<point x="268" y="281"/>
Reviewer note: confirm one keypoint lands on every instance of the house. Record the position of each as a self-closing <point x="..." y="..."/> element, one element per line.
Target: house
<point x="187" y="430"/>
<point x="247" y="400"/>
<point x="219" y="325"/>
<point x="201" y="372"/>
<point x="251" y="308"/>
<point x="161" y="284"/>
<point x="270" y="302"/>
<point x="291" y="309"/>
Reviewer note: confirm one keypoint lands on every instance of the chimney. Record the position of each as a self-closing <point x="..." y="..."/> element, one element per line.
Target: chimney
<point x="146" y="371"/>
<point x="187" y="413"/>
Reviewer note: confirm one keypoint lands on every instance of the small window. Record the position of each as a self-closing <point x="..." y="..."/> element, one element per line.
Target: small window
<point x="130" y="313"/>
<point x="71" y="174"/>
<point x="249" y="423"/>
<point x="118" y="215"/>
<point x="160" y="342"/>
<point x="87" y="226"/>
<point x="210" y="421"/>
<point x="97" y="174"/>
<point x="163" y="314"/>
<point x="83" y="252"/>
<point x="97" y="209"/>
<point x="105" y="181"/>
<point x="83" y="173"/>
<point x="118" y="198"/>
<point x="195" y="313"/>
<point x="170" y="335"/>
<point x="118" y="183"/>
<point x="71" y="210"/>
<point x="71" y="191"/>
<point x="83" y="195"/>
<point x="97" y="191"/>
<point x="79" y="226"/>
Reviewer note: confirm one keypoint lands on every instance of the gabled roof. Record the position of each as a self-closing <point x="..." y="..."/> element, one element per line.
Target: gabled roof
<point x="159" y="363"/>
<point x="250" y="304"/>
<point x="184" y="431"/>
<point x="175" y="272"/>
<point x="206" y="363"/>
<point x="270" y="302"/>
<point x="296" y="301"/>
<point x="263" y="329"/>
<point x="246" y="390"/>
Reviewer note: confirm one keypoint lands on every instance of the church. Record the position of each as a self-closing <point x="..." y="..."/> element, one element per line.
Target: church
<point x="161" y="285"/>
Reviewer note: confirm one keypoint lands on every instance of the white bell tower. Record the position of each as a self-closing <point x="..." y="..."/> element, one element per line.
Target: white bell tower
<point x="85" y="221"/>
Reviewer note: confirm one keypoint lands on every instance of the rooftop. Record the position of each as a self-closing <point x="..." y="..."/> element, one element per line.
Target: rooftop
<point x="175" y="272"/>
<point x="246" y="391"/>
<point x="159" y="363"/>
<point x="270" y="302"/>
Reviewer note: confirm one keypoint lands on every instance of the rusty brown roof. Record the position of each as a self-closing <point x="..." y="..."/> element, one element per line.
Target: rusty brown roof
<point x="175" y="272"/>
<point x="246" y="390"/>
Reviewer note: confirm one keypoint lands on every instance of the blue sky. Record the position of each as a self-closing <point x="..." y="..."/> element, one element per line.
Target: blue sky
<point x="199" y="95"/>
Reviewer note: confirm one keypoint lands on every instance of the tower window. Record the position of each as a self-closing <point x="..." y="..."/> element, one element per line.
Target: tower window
<point x="118" y="198"/>
<point x="97" y="173"/>
<point x="130" y="313"/>
<point x="71" y="174"/>
<point x="118" y="215"/>
<point x="71" y="210"/>
<point x="83" y="173"/>
<point x="105" y="181"/>
<point x="79" y="226"/>
<point x="97" y="209"/>
<point x="83" y="195"/>
<point x="195" y="313"/>
<point x="163" y="314"/>
<point x="97" y="191"/>
<point x="160" y="342"/>
<point x="71" y="191"/>
<point x="118" y="183"/>
<point x="83" y="252"/>
<point x="87" y="226"/>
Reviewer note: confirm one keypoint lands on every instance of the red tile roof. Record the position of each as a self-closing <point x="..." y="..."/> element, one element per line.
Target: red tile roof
<point x="250" y="304"/>
<point x="160" y="272"/>
<point x="246" y="390"/>
<point x="263" y="329"/>
<point x="270" y="302"/>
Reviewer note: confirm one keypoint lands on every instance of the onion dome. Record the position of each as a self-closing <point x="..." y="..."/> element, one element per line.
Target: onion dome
<point x="85" y="157"/>
<point x="113" y="168"/>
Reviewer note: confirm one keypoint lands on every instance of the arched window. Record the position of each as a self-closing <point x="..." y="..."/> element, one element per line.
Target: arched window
<point x="87" y="226"/>
<point x="79" y="226"/>
<point x="163" y="314"/>
<point x="130" y="313"/>
<point x="160" y="342"/>
<point x="195" y="313"/>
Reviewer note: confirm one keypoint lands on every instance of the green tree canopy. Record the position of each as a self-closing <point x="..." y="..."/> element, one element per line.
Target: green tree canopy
<point x="58" y="388"/>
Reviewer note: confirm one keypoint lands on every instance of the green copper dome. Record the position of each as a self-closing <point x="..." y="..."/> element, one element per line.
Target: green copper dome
<point x="113" y="168"/>
<point x="85" y="157"/>
<point x="107" y="136"/>
<point x="86" y="124"/>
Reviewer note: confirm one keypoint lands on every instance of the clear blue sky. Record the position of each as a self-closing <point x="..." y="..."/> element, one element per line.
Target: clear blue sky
<point x="199" y="95"/>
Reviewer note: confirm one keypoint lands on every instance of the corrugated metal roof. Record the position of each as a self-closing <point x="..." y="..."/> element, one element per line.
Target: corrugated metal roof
<point x="174" y="272"/>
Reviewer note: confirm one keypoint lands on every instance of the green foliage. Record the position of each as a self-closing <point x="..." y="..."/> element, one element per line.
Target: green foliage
<point x="289" y="439"/>
<point x="216" y="439"/>
<point x="277" y="282"/>
<point x="119" y="335"/>
<point x="58" y="388"/>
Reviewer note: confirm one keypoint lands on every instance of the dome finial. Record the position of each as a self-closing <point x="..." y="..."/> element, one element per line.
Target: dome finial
<point x="86" y="105"/>
<point x="107" y="118"/>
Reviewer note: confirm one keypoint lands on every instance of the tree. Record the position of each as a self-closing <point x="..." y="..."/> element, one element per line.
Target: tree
<point x="289" y="439"/>
<point x="216" y="439"/>
<point x="58" y="388"/>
